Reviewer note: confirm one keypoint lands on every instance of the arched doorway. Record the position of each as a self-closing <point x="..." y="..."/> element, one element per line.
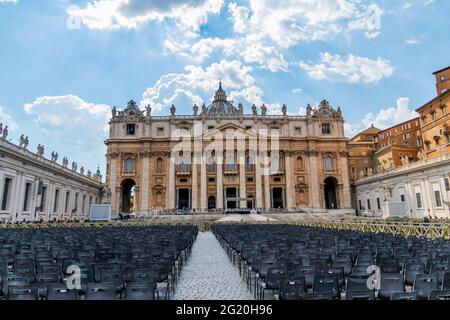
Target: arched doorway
<point x="330" y="189"/>
<point x="128" y="196"/>
<point x="211" y="202"/>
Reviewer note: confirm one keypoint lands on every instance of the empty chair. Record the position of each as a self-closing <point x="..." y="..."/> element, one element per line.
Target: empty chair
<point x="273" y="279"/>
<point x="60" y="292"/>
<point x="424" y="284"/>
<point x="411" y="270"/>
<point x="319" y="296"/>
<point x="360" y="295"/>
<point x="22" y="292"/>
<point x="293" y="289"/>
<point x="357" y="283"/>
<point x="446" y="281"/>
<point x="140" y="291"/>
<point x="404" y="296"/>
<point x="439" y="268"/>
<point x="326" y="283"/>
<point x="440" y="295"/>
<point x="390" y="283"/>
<point x="101" y="291"/>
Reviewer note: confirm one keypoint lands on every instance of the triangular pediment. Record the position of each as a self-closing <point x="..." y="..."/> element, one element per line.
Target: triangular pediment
<point x="229" y="126"/>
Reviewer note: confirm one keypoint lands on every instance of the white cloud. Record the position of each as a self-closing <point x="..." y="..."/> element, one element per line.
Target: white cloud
<point x="351" y="69"/>
<point x="6" y="119"/>
<point x="114" y="14"/>
<point x="250" y="49"/>
<point x="198" y="82"/>
<point x="385" y="118"/>
<point x="288" y="22"/>
<point x="412" y="41"/>
<point x="9" y="1"/>
<point x="428" y="2"/>
<point x="297" y="91"/>
<point x="75" y="126"/>
<point x="406" y="6"/>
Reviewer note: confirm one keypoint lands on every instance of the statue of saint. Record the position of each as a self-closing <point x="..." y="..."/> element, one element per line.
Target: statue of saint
<point x="241" y="108"/>
<point x="195" y="108"/>
<point x="114" y="112"/>
<point x="254" y="110"/>
<point x="173" y="110"/>
<point x="284" y="110"/>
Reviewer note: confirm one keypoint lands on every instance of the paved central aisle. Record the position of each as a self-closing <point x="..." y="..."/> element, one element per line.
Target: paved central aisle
<point x="209" y="274"/>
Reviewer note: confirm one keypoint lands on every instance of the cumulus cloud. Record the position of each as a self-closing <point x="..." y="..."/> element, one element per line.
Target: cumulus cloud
<point x="351" y="69"/>
<point x="9" y="1"/>
<point x="115" y="14"/>
<point x="250" y="49"/>
<point x="6" y="119"/>
<point x="197" y="82"/>
<point x="385" y="118"/>
<point x="288" y="22"/>
<point x="75" y="126"/>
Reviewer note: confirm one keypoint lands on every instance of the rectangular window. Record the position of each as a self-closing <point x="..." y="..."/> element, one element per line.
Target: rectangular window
<point x="419" y="200"/>
<point x="43" y="198"/>
<point x="5" y="196"/>
<point x="250" y="179"/>
<point x="131" y="129"/>
<point x="212" y="180"/>
<point x="160" y="131"/>
<point x="56" y="203"/>
<point x="437" y="197"/>
<point x="378" y="204"/>
<point x="447" y="184"/>
<point x="368" y="204"/>
<point x="402" y="198"/>
<point x="360" y="204"/>
<point x="66" y="206"/>
<point x="26" y="199"/>
<point x="433" y="116"/>
<point x="212" y="127"/>
<point x="298" y="130"/>
<point x="326" y="128"/>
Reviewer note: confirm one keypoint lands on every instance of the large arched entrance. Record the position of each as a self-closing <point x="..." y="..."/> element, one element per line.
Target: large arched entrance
<point x="128" y="196"/>
<point x="330" y="190"/>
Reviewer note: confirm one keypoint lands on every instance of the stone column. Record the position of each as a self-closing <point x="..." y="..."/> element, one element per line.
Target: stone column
<point x="289" y="174"/>
<point x="171" y="183"/>
<point x="258" y="183"/>
<point x="343" y="166"/>
<point x="15" y="197"/>
<point x="194" y="186"/>
<point x="145" y="182"/>
<point x="242" y="184"/>
<point x="219" y="166"/>
<point x="314" y="179"/>
<point x="204" y="186"/>
<point x="115" y="197"/>
<point x="267" y="202"/>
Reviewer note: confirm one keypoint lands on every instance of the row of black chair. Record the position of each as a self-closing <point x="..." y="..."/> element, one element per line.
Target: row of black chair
<point x="294" y="262"/>
<point x="93" y="263"/>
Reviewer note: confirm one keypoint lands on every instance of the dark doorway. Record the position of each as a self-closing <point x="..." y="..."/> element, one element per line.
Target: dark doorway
<point x="183" y="199"/>
<point x="211" y="202"/>
<point x="250" y="202"/>
<point x="277" y="198"/>
<point x="330" y="193"/>
<point x="128" y="196"/>
<point x="231" y="193"/>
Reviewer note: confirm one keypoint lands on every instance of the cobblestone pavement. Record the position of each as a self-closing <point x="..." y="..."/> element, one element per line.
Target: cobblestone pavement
<point x="209" y="274"/>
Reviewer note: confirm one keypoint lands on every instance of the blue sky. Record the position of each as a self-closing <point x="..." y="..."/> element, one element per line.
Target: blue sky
<point x="64" y="64"/>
